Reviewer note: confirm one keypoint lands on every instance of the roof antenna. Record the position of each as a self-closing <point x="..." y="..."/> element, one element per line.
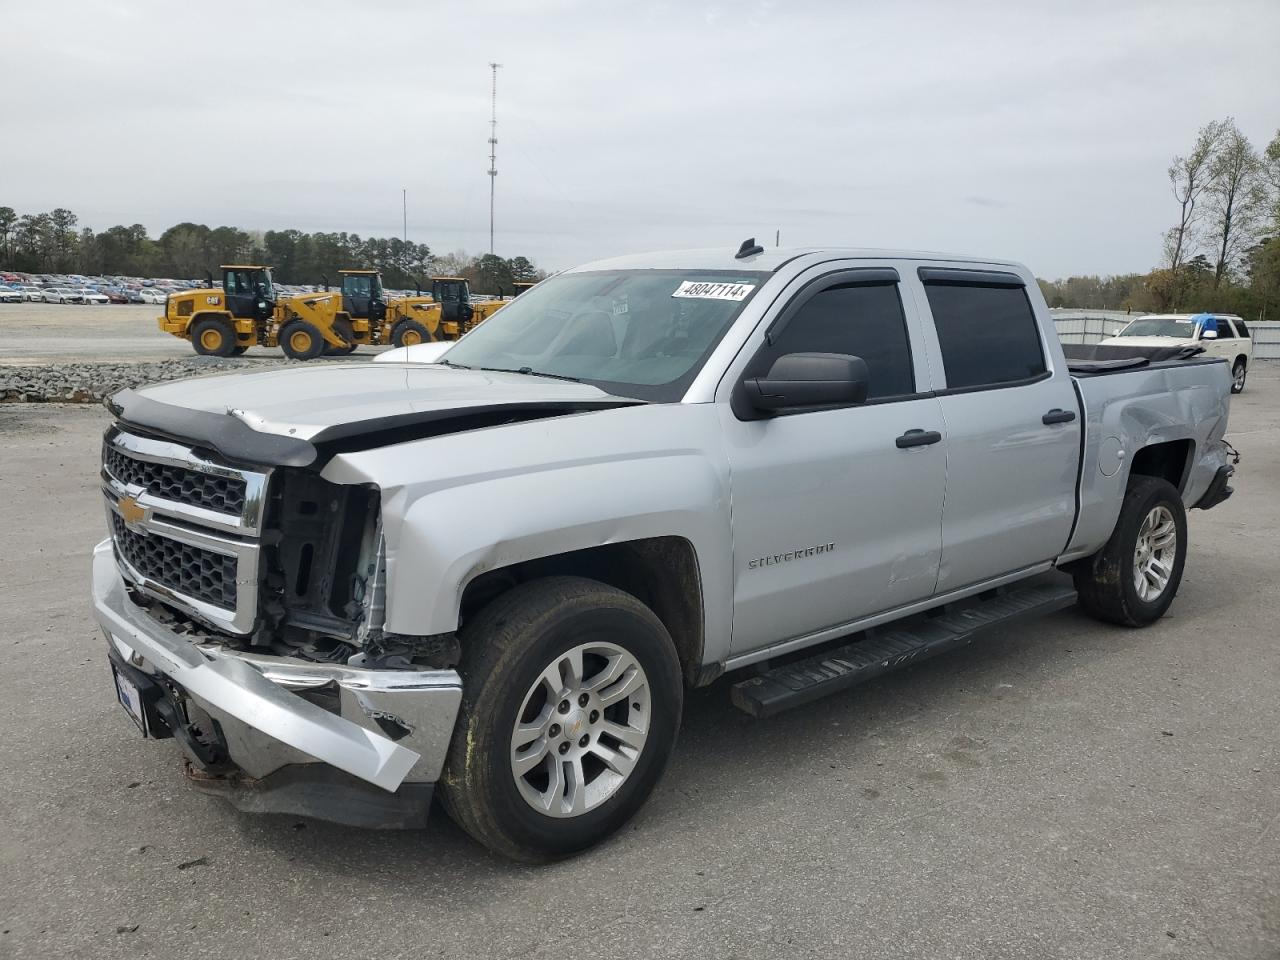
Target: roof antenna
<point x="749" y="248"/>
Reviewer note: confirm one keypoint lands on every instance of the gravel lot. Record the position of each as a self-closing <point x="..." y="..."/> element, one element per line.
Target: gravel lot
<point x="1062" y="790"/>
<point x="53" y="352"/>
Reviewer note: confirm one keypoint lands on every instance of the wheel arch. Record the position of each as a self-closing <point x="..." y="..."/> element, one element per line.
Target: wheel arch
<point x="1169" y="460"/>
<point x="661" y="572"/>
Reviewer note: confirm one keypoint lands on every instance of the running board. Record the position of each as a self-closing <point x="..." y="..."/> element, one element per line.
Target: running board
<point x="876" y="652"/>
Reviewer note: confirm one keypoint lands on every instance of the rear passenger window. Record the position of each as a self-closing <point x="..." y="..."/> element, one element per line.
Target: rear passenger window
<point x="1224" y="329"/>
<point x="988" y="334"/>
<point x="1244" y="331"/>
<point x="859" y="320"/>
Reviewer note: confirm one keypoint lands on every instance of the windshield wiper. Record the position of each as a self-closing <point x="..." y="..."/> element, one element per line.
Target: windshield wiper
<point x="530" y="372"/>
<point x="456" y="366"/>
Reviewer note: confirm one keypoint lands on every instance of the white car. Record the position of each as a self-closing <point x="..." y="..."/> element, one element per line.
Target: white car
<point x="89" y="295"/>
<point x="10" y="294"/>
<point x="61" y="295"/>
<point x="153" y="295"/>
<point x="32" y="294"/>
<point x="1230" y="340"/>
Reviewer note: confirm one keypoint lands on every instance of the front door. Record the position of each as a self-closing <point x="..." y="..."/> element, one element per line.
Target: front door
<point x="832" y="519"/>
<point x="1013" y="429"/>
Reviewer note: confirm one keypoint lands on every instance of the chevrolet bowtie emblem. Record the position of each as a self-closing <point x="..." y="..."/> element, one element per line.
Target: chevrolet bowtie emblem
<point x="131" y="511"/>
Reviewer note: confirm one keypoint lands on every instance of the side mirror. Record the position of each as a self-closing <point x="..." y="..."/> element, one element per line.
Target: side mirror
<point x="1208" y="334"/>
<point x="809" y="380"/>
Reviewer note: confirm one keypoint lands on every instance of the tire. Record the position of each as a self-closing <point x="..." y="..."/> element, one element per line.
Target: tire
<point x="213" y="337"/>
<point x="301" y="340"/>
<point x="508" y="648"/>
<point x="1239" y="372"/>
<point x="406" y="333"/>
<point x="343" y="329"/>
<point x="1107" y="582"/>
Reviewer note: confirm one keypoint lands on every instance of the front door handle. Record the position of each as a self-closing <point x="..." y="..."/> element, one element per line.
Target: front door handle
<point x="1058" y="416"/>
<point x="917" y="438"/>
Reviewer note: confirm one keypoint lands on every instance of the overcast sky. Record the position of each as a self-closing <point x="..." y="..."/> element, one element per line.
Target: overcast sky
<point x="1031" y="130"/>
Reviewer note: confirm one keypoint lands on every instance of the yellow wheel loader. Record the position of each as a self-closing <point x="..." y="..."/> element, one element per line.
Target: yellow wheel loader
<point x="223" y="321"/>
<point x="446" y="314"/>
<point x="244" y="312"/>
<point x="332" y="323"/>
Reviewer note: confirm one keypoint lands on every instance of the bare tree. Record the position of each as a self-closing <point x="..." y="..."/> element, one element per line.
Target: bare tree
<point x="1236" y="197"/>
<point x="1189" y="177"/>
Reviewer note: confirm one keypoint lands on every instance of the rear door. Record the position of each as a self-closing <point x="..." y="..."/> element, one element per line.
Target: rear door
<point x="833" y="520"/>
<point x="1226" y="345"/>
<point x="1013" y="430"/>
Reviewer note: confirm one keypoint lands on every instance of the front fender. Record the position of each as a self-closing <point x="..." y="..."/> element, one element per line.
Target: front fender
<point x="524" y="495"/>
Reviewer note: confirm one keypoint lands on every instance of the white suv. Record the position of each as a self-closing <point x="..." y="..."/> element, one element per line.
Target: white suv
<point x="1231" y="340"/>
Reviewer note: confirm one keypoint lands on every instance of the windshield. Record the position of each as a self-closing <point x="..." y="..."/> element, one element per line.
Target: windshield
<point x="450" y="289"/>
<point x="636" y="333"/>
<point x="1159" y="327"/>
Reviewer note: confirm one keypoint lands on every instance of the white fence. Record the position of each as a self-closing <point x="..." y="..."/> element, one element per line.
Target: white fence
<point x="1090" y="326"/>
<point x="1266" y="340"/>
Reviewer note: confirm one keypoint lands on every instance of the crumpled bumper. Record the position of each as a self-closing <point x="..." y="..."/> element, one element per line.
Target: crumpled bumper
<point x="386" y="727"/>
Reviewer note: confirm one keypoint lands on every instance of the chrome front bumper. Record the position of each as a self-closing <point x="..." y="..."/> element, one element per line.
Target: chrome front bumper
<point x="265" y="723"/>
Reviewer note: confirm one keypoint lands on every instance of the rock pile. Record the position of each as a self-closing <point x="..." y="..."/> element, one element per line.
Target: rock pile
<point x="91" y="382"/>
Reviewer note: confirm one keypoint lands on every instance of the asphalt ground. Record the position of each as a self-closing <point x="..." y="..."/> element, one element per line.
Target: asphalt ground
<point x="1062" y="789"/>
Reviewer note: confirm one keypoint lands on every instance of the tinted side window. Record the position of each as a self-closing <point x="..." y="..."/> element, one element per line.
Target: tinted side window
<point x="1225" y="330"/>
<point x="988" y="334"/>
<point x="864" y="321"/>
<point x="1244" y="331"/>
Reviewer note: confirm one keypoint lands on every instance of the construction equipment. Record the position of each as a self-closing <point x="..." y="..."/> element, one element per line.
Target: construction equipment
<point x="226" y="321"/>
<point x="446" y="314"/>
<point x="246" y="312"/>
<point x="329" y="323"/>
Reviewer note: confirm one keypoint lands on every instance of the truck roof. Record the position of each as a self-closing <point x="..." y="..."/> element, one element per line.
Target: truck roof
<point x="723" y="258"/>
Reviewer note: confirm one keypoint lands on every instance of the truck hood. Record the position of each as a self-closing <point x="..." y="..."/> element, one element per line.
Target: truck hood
<point x="286" y="416"/>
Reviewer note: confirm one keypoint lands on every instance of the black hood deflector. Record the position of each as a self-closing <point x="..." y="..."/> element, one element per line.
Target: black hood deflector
<point x="235" y="440"/>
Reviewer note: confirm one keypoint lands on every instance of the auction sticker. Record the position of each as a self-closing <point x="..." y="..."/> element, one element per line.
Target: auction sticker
<point x="707" y="290"/>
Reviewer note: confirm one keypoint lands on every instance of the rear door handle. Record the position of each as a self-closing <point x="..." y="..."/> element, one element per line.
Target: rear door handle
<point x="1057" y="415"/>
<point x="917" y="438"/>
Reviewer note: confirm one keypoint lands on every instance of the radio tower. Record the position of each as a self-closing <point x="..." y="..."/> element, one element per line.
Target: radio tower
<point x="493" y="149"/>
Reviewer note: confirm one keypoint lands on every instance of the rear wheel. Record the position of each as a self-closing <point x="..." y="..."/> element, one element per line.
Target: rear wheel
<point x="1133" y="579"/>
<point x="406" y="333"/>
<point x="1238" y="374"/>
<point x="571" y="702"/>
<point x="300" y="340"/>
<point x="214" y="337"/>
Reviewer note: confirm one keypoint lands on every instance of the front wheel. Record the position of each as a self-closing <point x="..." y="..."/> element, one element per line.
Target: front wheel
<point x="408" y="333"/>
<point x="571" y="702"/>
<point x="300" y="340"/>
<point x="1238" y="374"/>
<point x="1133" y="579"/>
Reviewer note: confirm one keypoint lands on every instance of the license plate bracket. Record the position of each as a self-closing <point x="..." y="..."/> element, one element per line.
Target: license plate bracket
<point x="130" y="698"/>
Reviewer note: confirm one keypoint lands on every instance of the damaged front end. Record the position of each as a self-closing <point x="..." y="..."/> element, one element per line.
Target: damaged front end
<point x="243" y="606"/>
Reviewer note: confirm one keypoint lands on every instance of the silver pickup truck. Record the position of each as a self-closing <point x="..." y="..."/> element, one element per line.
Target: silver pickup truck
<point x="490" y="571"/>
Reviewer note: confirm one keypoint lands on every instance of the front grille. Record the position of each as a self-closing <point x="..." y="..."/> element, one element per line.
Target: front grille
<point x="221" y="494"/>
<point x="192" y="571"/>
